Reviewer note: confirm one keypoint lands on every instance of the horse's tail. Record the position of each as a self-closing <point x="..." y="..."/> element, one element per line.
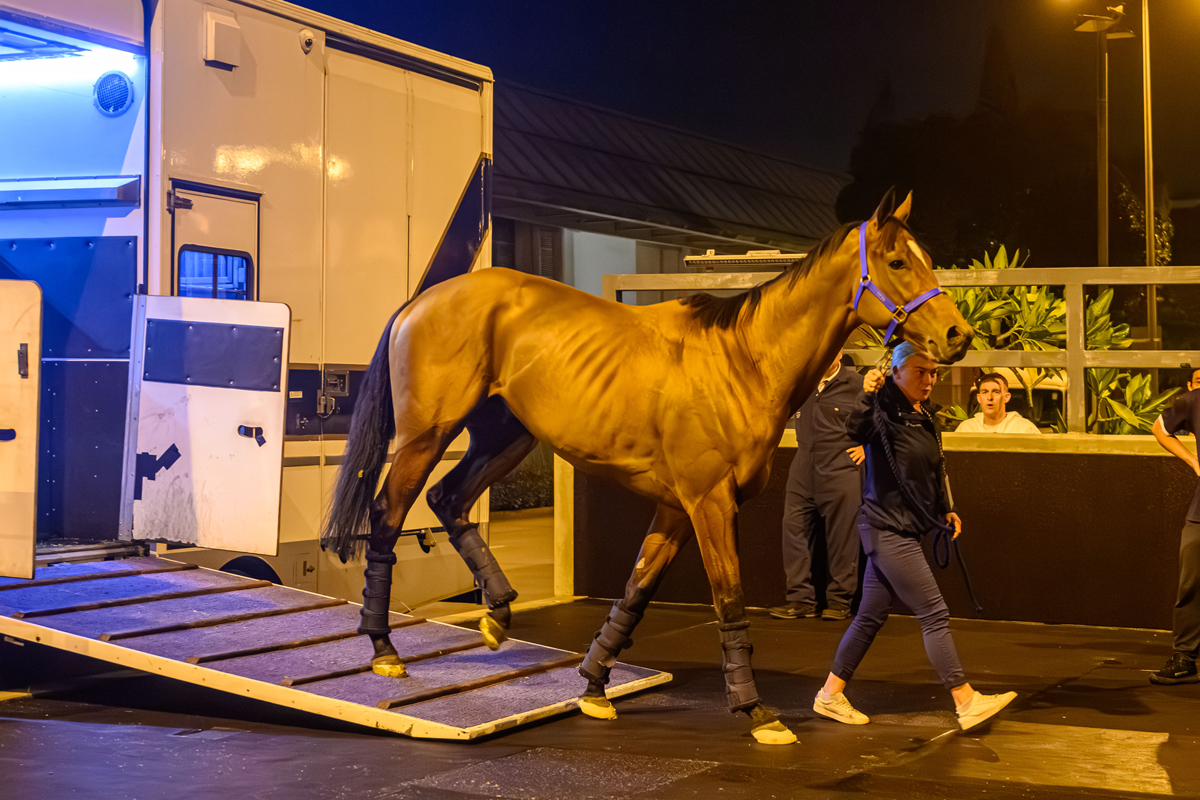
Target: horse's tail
<point x="371" y="430"/>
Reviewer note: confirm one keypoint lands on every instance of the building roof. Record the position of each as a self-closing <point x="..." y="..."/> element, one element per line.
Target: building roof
<point x="566" y="163"/>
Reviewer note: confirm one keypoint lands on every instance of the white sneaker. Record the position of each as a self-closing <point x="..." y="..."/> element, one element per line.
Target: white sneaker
<point x="982" y="707"/>
<point x="839" y="708"/>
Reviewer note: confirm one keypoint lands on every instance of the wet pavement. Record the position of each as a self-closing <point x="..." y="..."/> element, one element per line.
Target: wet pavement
<point x="1087" y="723"/>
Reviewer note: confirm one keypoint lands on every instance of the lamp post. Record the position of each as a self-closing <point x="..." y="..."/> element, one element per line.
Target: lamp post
<point x="1151" y="255"/>
<point x="1102" y="25"/>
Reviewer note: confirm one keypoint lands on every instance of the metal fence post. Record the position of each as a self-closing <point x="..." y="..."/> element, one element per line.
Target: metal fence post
<point x="1076" y="345"/>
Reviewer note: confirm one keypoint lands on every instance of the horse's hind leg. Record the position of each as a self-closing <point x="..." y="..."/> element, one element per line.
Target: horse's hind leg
<point x="410" y="469"/>
<point x="669" y="531"/>
<point x="499" y="442"/>
<point x="715" y="521"/>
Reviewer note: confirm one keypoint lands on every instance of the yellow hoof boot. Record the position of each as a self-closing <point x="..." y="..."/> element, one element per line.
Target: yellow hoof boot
<point x="389" y="667"/>
<point x="773" y="733"/>
<point x="493" y="632"/>
<point x="597" y="707"/>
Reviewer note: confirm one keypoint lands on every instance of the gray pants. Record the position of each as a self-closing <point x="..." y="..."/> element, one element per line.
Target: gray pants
<point x="837" y="502"/>
<point x="1187" y="606"/>
<point x="897" y="570"/>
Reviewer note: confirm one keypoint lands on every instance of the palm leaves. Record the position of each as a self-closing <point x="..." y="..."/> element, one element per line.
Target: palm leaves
<point x="1034" y="318"/>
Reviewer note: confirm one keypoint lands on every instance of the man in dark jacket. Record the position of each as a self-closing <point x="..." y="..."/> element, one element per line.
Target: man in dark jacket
<point x="1184" y="416"/>
<point x="824" y="482"/>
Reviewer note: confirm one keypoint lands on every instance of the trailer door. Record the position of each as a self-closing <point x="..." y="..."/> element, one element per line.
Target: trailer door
<point x="20" y="390"/>
<point x="204" y="461"/>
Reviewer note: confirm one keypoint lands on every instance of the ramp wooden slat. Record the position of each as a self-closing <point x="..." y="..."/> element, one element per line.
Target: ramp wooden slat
<point x="491" y="706"/>
<point x="407" y="659"/>
<point x="413" y="698"/>
<point x="294" y="643"/>
<point x="37" y="598"/>
<point x="456" y="689"/>
<point x="92" y="624"/>
<point x="142" y="598"/>
<point x="59" y="570"/>
<point x="99" y="576"/>
<point x="209" y="623"/>
<point x="341" y="654"/>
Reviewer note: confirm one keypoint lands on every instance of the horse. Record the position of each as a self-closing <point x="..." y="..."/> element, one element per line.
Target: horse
<point x="683" y="401"/>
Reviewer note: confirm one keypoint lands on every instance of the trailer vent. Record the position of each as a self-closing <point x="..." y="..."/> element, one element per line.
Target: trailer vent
<point x="113" y="93"/>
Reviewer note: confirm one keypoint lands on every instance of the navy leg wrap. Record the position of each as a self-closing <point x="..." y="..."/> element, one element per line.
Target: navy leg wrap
<point x="739" y="676"/>
<point x="479" y="559"/>
<point x="610" y="640"/>
<point x="377" y="594"/>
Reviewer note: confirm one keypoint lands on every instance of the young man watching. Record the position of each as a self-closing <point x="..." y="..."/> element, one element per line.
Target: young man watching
<point x="1184" y="415"/>
<point x="993" y="417"/>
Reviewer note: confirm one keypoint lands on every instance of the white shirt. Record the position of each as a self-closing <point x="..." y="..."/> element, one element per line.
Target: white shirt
<point x="1012" y="423"/>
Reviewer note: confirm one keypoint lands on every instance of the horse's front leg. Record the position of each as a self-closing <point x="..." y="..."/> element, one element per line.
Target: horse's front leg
<point x="715" y="520"/>
<point x="669" y="531"/>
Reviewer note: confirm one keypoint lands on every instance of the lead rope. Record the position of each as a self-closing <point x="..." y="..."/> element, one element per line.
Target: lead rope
<point x="943" y="533"/>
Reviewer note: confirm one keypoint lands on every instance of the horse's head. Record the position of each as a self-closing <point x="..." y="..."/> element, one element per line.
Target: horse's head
<point x="897" y="272"/>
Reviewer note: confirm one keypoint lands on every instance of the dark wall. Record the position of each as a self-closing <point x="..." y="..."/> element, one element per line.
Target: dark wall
<point x="1056" y="538"/>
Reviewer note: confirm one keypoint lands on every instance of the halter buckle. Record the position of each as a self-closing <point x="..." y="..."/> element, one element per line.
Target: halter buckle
<point x="900" y="315"/>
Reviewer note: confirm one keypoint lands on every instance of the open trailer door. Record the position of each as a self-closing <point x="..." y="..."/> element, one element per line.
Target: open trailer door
<point x="204" y="448"/>
<point x="20" y="391"/>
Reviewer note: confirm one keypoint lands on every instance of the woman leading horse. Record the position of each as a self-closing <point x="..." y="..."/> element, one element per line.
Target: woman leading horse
<point x="682" y="401"/>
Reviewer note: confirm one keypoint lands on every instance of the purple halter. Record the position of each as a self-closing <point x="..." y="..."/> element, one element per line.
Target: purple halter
<point x="899" y="313"/>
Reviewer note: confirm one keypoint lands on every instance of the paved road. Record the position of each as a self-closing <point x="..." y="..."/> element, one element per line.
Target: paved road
<point x="1086" y="724"/>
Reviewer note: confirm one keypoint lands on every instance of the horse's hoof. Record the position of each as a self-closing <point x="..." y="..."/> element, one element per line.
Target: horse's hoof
<point x="493" y="632"/>
<point x="773" y="733"/>
<point x="598" y="708"/>
<point x="389" y="667"/>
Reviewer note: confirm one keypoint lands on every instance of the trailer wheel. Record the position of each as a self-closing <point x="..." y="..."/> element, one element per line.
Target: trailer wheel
<point x="252" y="567"/>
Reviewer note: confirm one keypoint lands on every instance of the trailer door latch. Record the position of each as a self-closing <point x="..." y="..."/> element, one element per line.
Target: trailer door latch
<point x="23" y="360"/>
<point x="174" y="201"/>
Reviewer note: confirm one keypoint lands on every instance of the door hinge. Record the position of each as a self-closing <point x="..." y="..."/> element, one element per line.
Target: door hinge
<point x="174" y="201"/>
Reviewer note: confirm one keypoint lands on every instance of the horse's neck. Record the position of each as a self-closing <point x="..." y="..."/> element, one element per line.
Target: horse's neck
<point x="798" y="329"/>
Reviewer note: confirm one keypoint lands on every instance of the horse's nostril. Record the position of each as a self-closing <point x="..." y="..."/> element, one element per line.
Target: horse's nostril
<point x="957" y="334"/>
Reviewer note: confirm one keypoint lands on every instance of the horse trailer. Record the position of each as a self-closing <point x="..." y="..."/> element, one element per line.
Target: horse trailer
<point x="215" y="206"/>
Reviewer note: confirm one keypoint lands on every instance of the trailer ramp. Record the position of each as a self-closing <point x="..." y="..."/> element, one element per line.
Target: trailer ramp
<point x="294" y="648"/>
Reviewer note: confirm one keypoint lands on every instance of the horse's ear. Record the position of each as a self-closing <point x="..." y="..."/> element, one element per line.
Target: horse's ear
<point x="886" y="207"/>
<point x="905" y="208"/>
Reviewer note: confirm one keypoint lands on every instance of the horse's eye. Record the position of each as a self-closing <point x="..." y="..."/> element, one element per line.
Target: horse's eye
<point x="897" y="264"/>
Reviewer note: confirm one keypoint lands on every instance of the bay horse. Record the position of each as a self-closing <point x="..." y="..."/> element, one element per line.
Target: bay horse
<point x="683" y="401"/>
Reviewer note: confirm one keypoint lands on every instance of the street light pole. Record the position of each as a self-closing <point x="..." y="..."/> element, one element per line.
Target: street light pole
<point x="1151" y="256"/>
<point x="1102" y="147"/>
<point x="1103" y="26"/>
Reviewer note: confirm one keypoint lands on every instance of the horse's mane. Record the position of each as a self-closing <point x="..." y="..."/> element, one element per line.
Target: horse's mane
<point x="723" y="312"/>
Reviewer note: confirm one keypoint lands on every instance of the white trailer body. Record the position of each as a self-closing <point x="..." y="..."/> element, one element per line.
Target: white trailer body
<point x="225" y="153"/>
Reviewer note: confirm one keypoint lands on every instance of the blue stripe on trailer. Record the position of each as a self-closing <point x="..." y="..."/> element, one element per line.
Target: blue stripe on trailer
<point x="212" y="354"/>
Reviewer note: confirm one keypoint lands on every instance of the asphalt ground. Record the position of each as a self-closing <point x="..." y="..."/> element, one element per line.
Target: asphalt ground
<point x="1086" y="723"/>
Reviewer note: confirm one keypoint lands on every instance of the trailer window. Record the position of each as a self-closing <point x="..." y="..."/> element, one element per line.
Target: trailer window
<point x="223" y="274"/>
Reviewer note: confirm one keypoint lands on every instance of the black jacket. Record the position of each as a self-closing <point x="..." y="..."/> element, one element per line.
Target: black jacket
<point x="821" y="437"/>
<point x="914" y="439"/>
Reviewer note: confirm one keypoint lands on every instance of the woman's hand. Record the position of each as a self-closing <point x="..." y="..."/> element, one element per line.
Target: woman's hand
<point x="872" y="381"/>
<point x="953" y="519"/>
<point x="857" y="454"/>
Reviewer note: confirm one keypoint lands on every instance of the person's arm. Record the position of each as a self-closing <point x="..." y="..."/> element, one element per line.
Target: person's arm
<point x="1174" y="446"/>
<point x="860" y="422"/>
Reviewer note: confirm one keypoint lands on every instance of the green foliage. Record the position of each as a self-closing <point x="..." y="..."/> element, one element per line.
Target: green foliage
<point x="1122" y="403"/>
<point x="1033" y="318"/>
<point x="953" y="416"/>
